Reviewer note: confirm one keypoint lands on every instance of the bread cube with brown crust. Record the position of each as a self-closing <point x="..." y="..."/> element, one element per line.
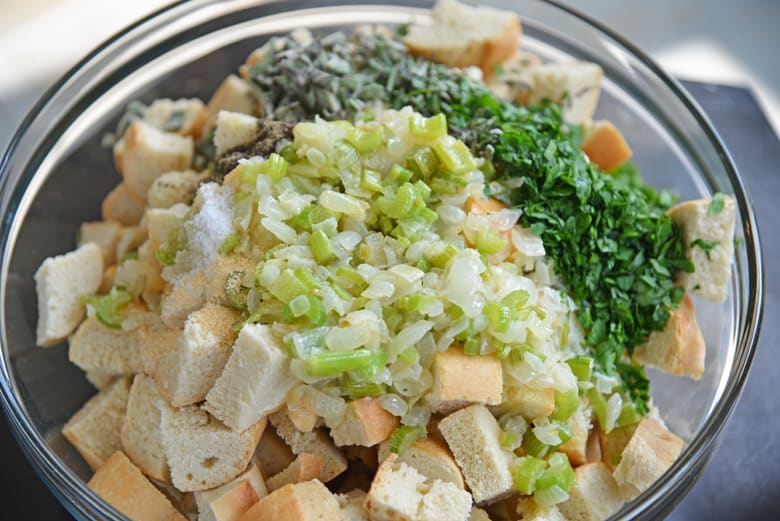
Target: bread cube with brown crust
<point x="235" y="95"/>
<point x="576" y="85"/>
<point x="174" y="188"/>
<point x="305" y="467"/>
<point x="94" y="429"/>
<point x="605" y="145"/>
<point x="365" y="423"/>
<point x="234" y="130"/>
<point x="529" y="510"/>
<point x="103" y="233"/>
<point x="184" y="116"/>
<point x="431" y="458"/>
<point x="230" y="501"/>
<point x="514" y="80"/>
<point x="595" y="495"/>
<point x="679" y="348"/>
<point x="530" y="402"/>
<point x="95" y="347"/>
<point x="307" y="501"/>
<point x="460" y="379"/>
<point x="273" y="455"/>
<point x="121" y="206"/>
<point x="122" y="485"/>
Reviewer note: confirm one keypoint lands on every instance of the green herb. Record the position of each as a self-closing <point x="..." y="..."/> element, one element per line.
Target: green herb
<point x="175" y="121"/>
<point x="716" y="205"/>
<point x="737" y="242"/>
<point x="707" y="246"/>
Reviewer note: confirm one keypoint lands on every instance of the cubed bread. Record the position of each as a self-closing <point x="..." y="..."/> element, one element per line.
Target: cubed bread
<point x="530" y="402"/>
<point x="307" y="501"/>
<point x="103" y="233"/>
<point x="315" y="442"/>
<point x="174" y="188"/>
<point x="650" y="452"/>
<point x="155" y="340"/>
<point x="201" y="451"/>
<point x="612" y="444"/>
<point x="305" y="467"/>
<point x="595" y="495"/>
<point x="99" y="379"/>
<point x="431" y="458"/>
<point x="95" y="347"/>
<point x="255" y="379"/>
<point x="94" y="429"/>
<point x="529" y="510"/>
<point x="708" y="233"/>
<point x="679" y="349"/>
<point x="352" y="505"/>
<point x="365" y="423"/>
<point x="120" y="206"/>
<point x="60" y="282"/>
<point x="576" y="85"/>
<point x="130" y="238"/>
<point x="460" y="379"/>
<point x="141" y="433"/>
<point x="273" y="454"/>
<point x="461" y="35"/>
<point x="400" y="493"/>
<point x="184" y="116"/>
<point x="605" y="145"/>
<point x="472" y="435"/>
<point x="160" y="222"/>
<point x="514" y="80"/>
<point x="230" y="501"/>
<point x="187" y="373"/>
<point x="146" y="152"/>
<point x="223" y="266"/>
<point x="234" y="130"/>
<point x="233" y="95"/>
<point x="580" y="426"/>
<point x="185" y="295"/>
<point x="122" y="486"/>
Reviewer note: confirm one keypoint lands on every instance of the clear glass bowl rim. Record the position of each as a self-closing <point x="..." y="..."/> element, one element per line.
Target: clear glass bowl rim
<point x="81" y="501"/>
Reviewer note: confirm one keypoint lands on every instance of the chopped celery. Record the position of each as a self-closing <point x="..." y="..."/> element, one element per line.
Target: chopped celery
<point x="489" y="242"/>
<point x="416" y="302"/>
<point x="599" y="404"/>
<point x="287" y="286"/>
<point x="533" y="446"/>
<point x="306" y="277"/>
<point x="409" y="356"/>
<point x="373" y="366"/>
<point x="628" y="415"/>
<point x="428" y="128"/>
<point x="582" y="367"/>
<point x="274" y="167"/>
<point x="289" y="153"/>
<point x="507" y="440"/>
<point x="366" y="141"/>
<point x="454" y="154"/>
<point x="371" y="181"/>
<point x="320" y="246"/>
<point x="499" y="316"/>
<point x="399" y="174"/>
<point x="472" y="345"/>
<point x="109" y="309"/>
<point x="424" y="160"/>
<point x="404" y="437"/>
<point x="357" y="389"/>
<point x="516" y="299"/>
<point x="334" y="363"/>
<point x="305" y="305"/>
<point x="527" y="472"/>
<point x="441" y="259"/>
<point x="558" y="474"/>
<point x="565" y="405"/>
<point x="229" y="244"/>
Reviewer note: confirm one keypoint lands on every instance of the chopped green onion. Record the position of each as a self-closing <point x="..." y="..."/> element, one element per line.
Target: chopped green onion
<point x="565" y="405"/>
<point x="320" y="246"/>
<point x="527" y="472"/>
<point x="404" y="437"/>
<point x="305" y="305"/>
<point x="306" y="277"/>
<point x="582" y="367"/>
<point x="333" y="364"/>
<point x="428" y="128"/>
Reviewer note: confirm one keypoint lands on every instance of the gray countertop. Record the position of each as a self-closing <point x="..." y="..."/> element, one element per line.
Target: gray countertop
<point x="743" y="474"/>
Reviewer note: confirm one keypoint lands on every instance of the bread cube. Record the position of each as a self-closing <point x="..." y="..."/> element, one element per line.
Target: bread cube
<point x="431" y="458"/>
<point x="352" y="505"/>
<point x="103" y="233"/>
<point x="650" y="452"/>
<point x="121" y="206"/>
<point x="400" y="493"/>
<point x="304" y="468"/>
<point x="530" y="402"/>
<point x="130" y="238"/>
<point x="234" y="130"/>
<point x="612" y="445"/>
<point x="95" y="347"/>
<point x="94" y="429"/>
<point x="122" y="485"/>
<point x="160" y="222"/>
<point x="530" y="510"/>
<point x="472" y="435"/>
<point x="230" y="501"/>
<point x="365" y="423"/>
<point x="255" y="380"/>
<point x="173" y="188"/>
<point x="307" y="501"/>
<point x="461" y="35"/>
<point x="233" y="95"/>
<point x="273" y="454"/>
<point x="708" y="235"/>
<point x="477" y="514"/>
<point x="223" y="266"/>
<point x="595" y="495"/>
<point x="315" y="442"/>
<point x="60" y="282"/>
<point x="182" y="116"/>
<point x="145" y="153"/>
<point x="605" y="146"/>
<point x="679" y="349"/>
<point x="514" y="82"/>
<point x="99" y="379"/>
<point x="185" y="295"/>
<point x="460" y="379"/>
<point x="576" y="85"/>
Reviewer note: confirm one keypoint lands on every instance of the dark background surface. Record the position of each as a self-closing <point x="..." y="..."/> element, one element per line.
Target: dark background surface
<point x="742" y="480"/>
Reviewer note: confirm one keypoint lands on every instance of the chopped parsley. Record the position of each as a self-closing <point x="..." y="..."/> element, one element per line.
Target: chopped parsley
<point x="175" y="121"/>
<point x="707" y="246"/>
<point x="716" y="205"/>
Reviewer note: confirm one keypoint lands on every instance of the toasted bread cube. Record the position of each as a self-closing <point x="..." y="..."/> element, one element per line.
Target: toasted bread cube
<point x="352" y="505"/>
<point x="462" y="36"/>
<point x="576" y="85"/>
<point x="183" y="116"/>
<point x="202" y="452"/>
<point x="315" y="442"/>
<point x="307" y="501"/>
<point x="233" y="95"/>
<point x="708" y="235"/>
<point x="472" y="435"/>
<point x="122" y="486"/>
<point x="160" y="222"/>
<point x="223" y="266"/>
<point x="595" y="495"/>
<point x="60" y="282"/>
<point x="233" y="130"/>
<point x="130" y="238"/>
<point x="679" y="349"/>
<point x="173" y="188"/>
<point x="515" y="81"/>
<point x="605" y="146"/>
<point x="122" y="207"/>
<point x="650" y="452"/>
<point x="185" y="295"/>
<point x="103" y="233"/>
<point x="99" y="379"/>
<point x="400" y="493"/>
<point x="531" y="402"/>
<point x="255" y="380"/>
<point x="612" y="444"/>
<point x="145" y="153"/>
<point x="155" y="340"/>
<point x="187" y="373"/>
<point x="365" y="423"/>
<point x="460" y="379"/>
<point x="141" y="433"/>
<point x="580" y="426"/>
<point x="273" y="454"/>
<point x="431" y="458"/>
<point x="304" y="468"/>
<point x="230" y="501"/>
<point x="530" y="510"/>
<point x="94" y="429"/>
<point x="95" y="347"/>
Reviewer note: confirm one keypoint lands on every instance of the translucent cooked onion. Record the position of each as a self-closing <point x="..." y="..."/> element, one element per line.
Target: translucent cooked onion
<point x="393" y="404"/>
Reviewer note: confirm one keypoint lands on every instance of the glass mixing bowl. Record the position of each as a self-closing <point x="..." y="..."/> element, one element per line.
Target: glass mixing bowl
<point x="55" y="174"/>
